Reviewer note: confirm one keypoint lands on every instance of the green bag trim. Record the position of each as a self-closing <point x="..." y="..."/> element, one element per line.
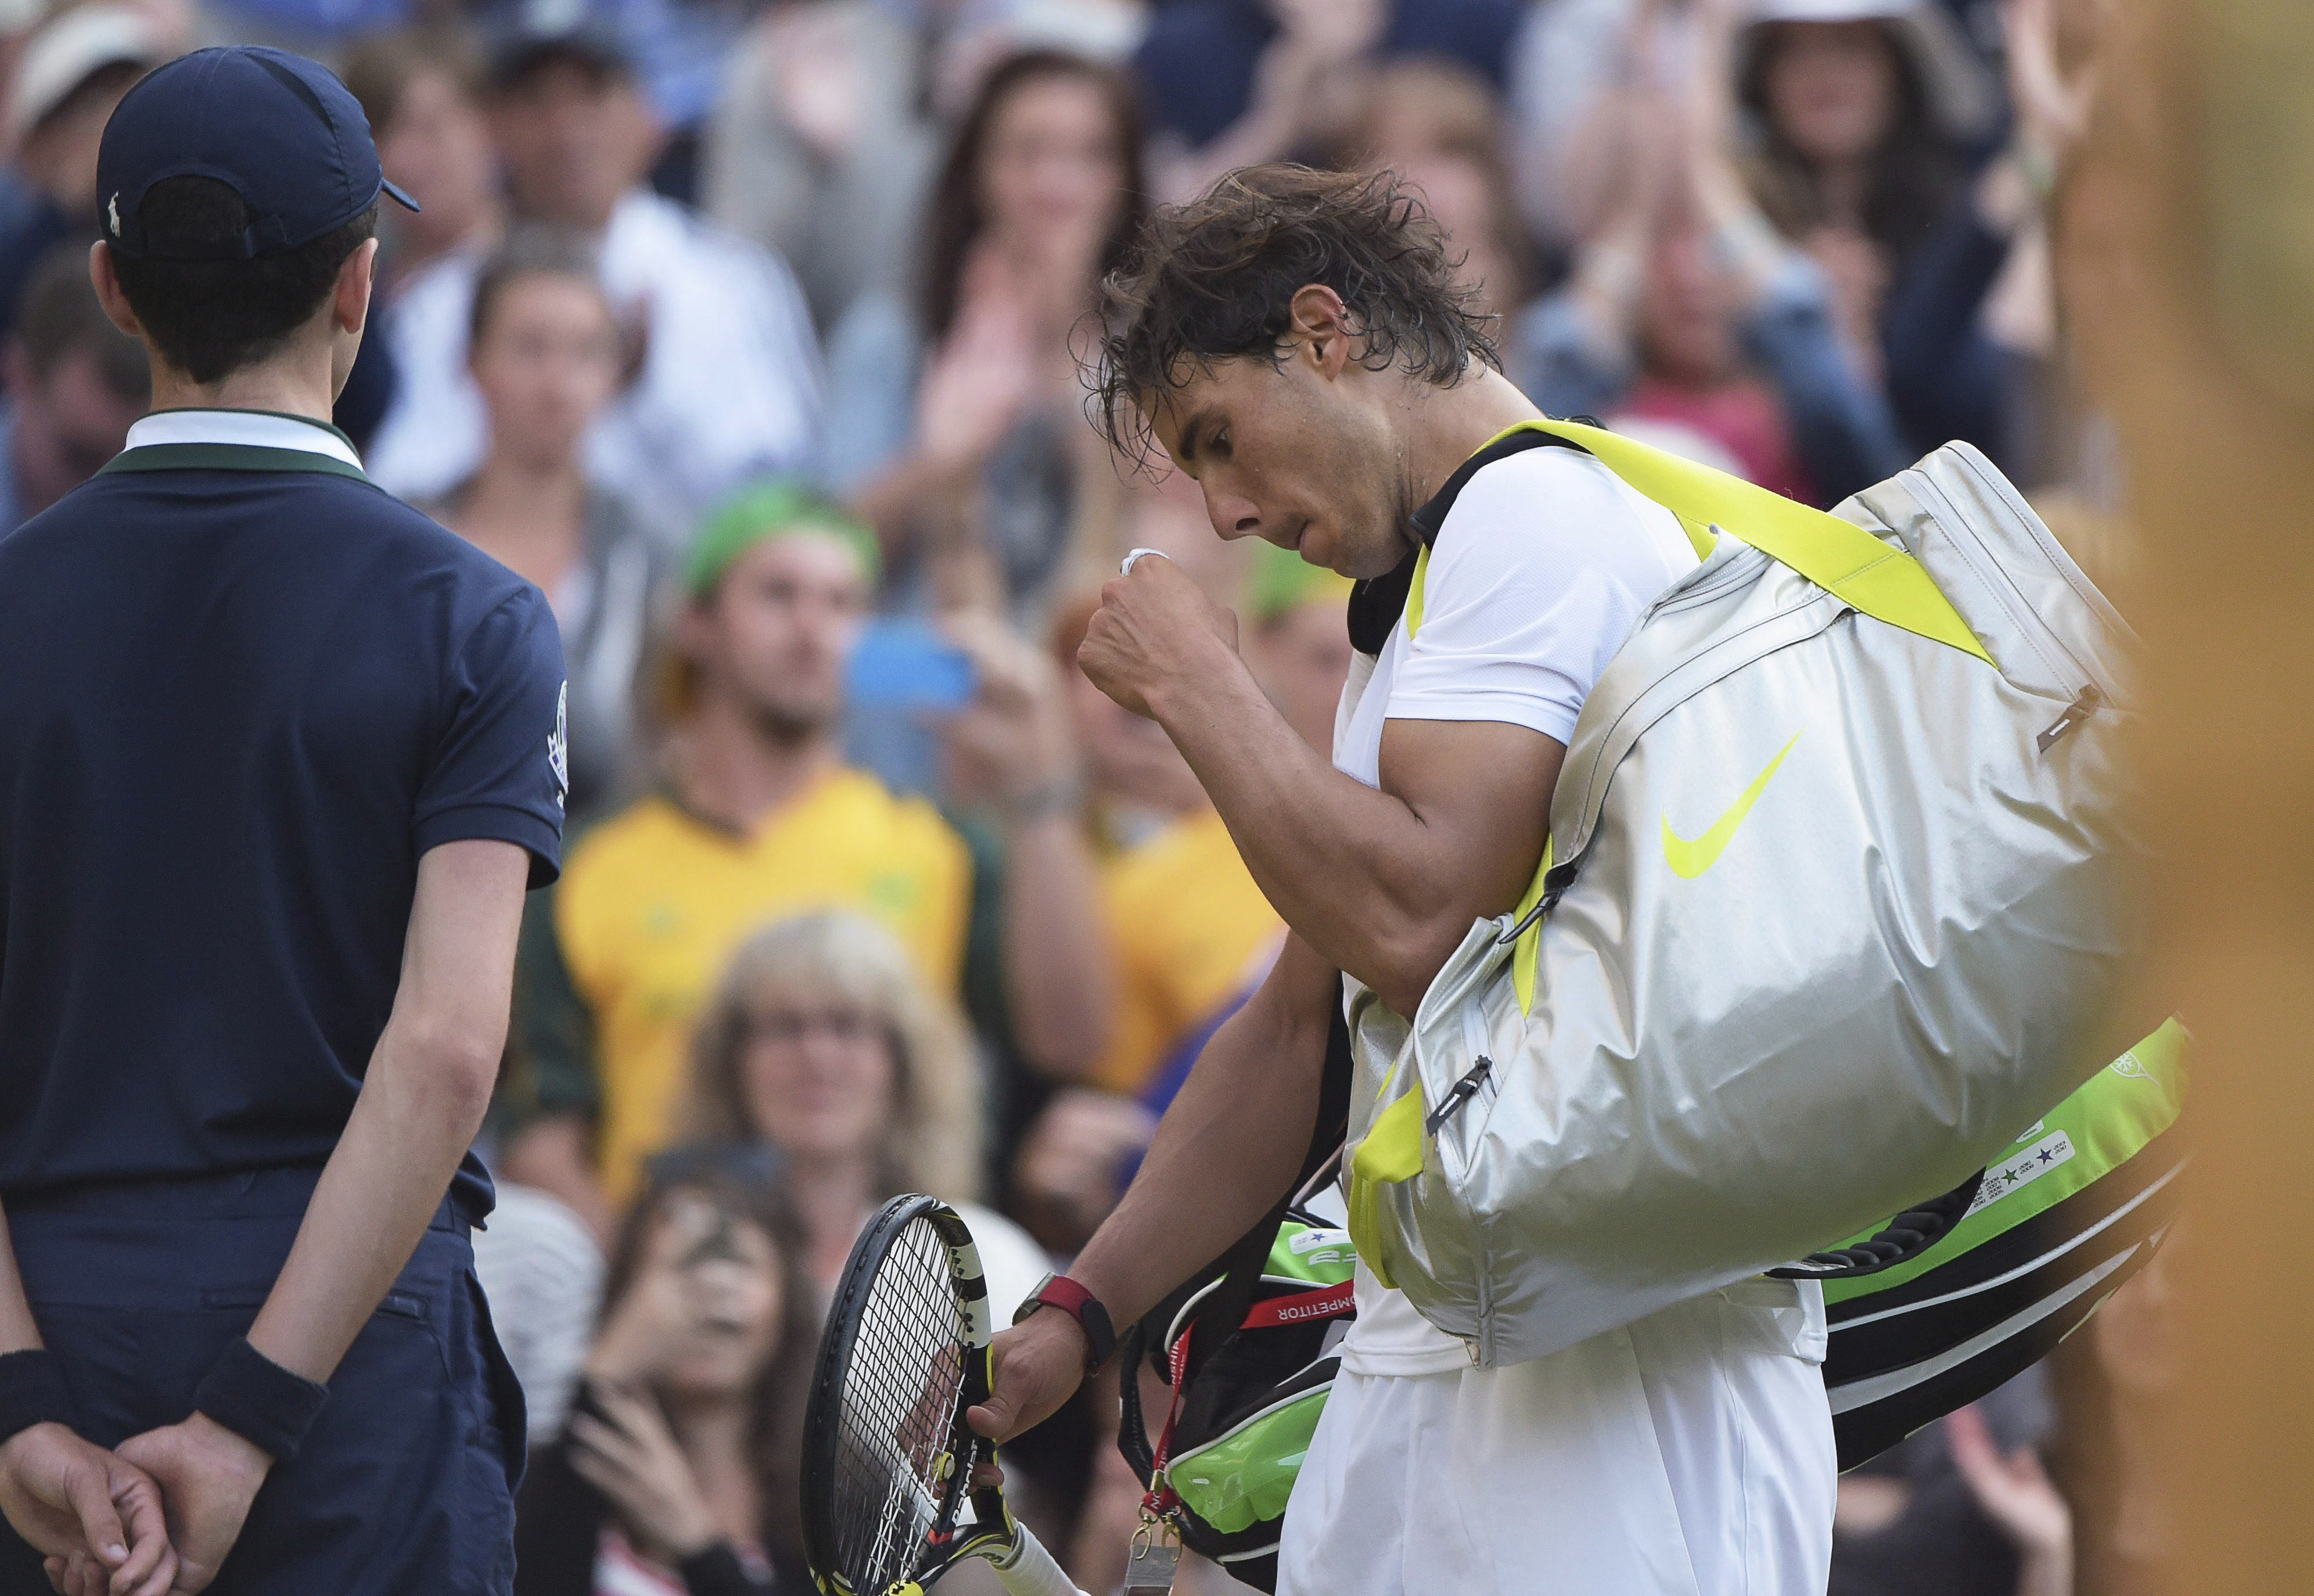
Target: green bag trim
<point x="1328" y="1260"/>
<point x="1242" y="1476"/>
<point x="2088" y="1135"/>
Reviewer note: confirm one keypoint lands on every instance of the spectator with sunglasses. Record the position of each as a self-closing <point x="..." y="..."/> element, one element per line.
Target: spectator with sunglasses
<point x="823" y="1043"/>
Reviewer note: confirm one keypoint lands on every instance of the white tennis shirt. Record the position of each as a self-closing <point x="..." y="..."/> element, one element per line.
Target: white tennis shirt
<point x="1543" y="566"/>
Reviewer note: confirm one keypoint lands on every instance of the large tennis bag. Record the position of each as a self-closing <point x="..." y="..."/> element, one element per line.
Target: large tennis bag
<point x="2063" y="1218"/>
<point x="1838" y="897"/>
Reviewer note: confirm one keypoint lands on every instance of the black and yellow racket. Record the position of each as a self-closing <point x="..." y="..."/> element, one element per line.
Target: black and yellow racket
<point x="888" y="1499"/>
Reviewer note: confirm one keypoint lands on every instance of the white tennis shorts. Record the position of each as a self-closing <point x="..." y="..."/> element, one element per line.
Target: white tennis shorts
<point x="1689" y="1454"/>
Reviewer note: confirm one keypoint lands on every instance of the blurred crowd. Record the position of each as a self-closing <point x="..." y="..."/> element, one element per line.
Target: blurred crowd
<point x="748" y="331"/>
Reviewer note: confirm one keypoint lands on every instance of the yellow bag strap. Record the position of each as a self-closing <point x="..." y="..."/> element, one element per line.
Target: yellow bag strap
<point x="1877" y="580"/>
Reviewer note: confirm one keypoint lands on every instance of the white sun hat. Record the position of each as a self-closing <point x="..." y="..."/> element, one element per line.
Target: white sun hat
<point x="1962" y="95"/>
<point x="72" y="49"/>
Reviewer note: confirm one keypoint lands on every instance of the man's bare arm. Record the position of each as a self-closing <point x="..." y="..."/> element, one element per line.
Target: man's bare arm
<point x="1383" y="883"/>
<point x="422" y="1102"/>
<point x="1227" y="1148"/>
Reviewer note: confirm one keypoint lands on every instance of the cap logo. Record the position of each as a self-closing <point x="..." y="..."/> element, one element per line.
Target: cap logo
<point x="113" y="215"/>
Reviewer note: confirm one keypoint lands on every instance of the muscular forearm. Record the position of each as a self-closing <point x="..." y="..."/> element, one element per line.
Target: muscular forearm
<point x="1355" y="872"/>
<point x="1228" y="1147"/>
<point x="419" y="1106"/>
<point x="1057" y="965"/>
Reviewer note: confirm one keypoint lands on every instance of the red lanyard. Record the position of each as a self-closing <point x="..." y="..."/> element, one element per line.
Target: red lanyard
<point x="1159" y="1500"/>
<point x="1325" y="1302"/>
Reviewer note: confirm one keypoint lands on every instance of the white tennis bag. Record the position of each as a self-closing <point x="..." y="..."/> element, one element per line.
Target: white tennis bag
<point x="1838" y="897"/>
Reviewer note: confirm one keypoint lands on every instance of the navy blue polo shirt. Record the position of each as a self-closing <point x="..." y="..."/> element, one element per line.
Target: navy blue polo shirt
<point x="241" y="691"/>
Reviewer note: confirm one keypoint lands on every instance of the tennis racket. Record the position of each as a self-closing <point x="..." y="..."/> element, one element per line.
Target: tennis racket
<point x="888" y="1499"/>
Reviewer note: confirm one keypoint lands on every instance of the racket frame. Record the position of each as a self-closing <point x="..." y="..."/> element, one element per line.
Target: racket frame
<point x="993" y="1533"/>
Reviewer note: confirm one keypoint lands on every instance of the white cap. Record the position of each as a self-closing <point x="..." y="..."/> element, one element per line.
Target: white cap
<point x="1961" y="93"/>
<point x="71" y="49"/>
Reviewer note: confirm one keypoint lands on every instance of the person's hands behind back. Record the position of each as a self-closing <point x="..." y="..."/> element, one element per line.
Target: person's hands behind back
<point x="209" y="1476"/>
<point x="72" y="1501"/>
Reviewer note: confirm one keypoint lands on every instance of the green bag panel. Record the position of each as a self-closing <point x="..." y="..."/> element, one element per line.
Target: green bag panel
<point x="2109" y="1119"/>
<point x="1311" y="1254"/>
<point x="1243" y="1477"/>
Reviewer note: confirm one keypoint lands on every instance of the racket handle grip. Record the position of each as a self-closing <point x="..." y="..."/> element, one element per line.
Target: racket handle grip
<point x="1029" y="1569"/>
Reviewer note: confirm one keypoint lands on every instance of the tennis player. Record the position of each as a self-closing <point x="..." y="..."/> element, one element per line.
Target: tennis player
<point x="279" y="757"/>
<point x="1297" y="342"/>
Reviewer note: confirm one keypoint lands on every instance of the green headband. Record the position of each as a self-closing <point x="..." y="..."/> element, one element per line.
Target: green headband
<point x="762" y="513"/>
<point x="1279" y="582"/>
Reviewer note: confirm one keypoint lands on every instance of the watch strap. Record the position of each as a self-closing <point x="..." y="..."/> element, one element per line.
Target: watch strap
<point x="1072" y="1298"/>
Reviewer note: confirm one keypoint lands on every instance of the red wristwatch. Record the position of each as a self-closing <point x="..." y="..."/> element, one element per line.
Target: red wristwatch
<point x="1058" y="1290"/>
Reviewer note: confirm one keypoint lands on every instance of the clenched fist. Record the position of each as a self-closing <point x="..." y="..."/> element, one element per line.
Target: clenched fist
<point x="1155" y="637"/>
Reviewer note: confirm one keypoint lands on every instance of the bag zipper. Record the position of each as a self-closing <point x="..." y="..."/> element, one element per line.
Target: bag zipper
<point x="2079" y="710"/>
<point x="2038" y="634"/>
<point x="1457" y="1095"/>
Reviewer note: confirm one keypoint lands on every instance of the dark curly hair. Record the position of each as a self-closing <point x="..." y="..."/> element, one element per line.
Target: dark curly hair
<point x="1216" y="277"/>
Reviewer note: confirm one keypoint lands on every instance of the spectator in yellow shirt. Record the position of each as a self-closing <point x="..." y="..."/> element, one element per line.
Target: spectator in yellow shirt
<point x="757" y="818"/>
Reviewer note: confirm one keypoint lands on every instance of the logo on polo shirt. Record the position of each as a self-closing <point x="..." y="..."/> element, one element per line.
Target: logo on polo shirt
<point x="558" y="746"/>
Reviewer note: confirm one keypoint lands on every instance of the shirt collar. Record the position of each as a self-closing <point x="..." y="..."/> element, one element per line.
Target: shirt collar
<point x="243" y="430"/>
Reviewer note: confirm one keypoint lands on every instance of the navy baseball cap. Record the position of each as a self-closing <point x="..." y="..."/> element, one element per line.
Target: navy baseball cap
<point x="280" y="130"/>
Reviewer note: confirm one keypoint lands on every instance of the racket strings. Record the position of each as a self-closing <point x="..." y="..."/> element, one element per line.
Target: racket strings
<point x="899" y="1414"/>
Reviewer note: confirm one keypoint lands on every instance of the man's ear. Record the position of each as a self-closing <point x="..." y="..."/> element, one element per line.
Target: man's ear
<point x="107" y="282"/>
<point x="1316" y="317"/>
<point x="350" y="300"/>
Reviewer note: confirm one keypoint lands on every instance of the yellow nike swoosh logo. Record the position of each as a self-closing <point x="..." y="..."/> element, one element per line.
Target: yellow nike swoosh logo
<point x="1692" y="859"/>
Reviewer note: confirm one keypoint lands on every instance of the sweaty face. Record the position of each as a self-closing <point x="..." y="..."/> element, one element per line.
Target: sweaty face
<point x="774" y="632"/>
<point x="1282" y="452"/>
<point x="1832" y="88"/>
<point x="547" y="362"/>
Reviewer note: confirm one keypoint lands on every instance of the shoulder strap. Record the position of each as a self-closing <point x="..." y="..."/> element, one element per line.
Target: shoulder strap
<point x="1874" y="578"/>
<point x="1376" y="605"/>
